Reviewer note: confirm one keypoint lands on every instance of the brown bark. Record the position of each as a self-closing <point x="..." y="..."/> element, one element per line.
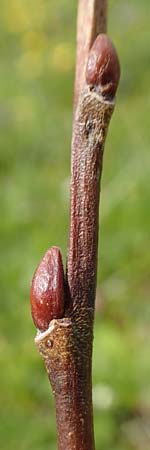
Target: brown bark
<point x="90" y="128"/>
<point x="71" y="385"/>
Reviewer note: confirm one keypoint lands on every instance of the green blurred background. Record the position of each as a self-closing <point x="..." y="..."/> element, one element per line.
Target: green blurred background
<point x="37" y="52"/>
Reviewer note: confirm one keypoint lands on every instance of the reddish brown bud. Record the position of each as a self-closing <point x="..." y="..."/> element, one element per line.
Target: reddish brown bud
<point x="103" y="68"/>
<point x="47" y="290"/>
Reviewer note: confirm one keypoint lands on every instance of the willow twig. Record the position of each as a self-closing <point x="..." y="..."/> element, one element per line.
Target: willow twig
<point x="63" y="305"/>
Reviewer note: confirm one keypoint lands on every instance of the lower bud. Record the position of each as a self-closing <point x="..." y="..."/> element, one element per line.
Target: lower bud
<point x="47" y="290"/>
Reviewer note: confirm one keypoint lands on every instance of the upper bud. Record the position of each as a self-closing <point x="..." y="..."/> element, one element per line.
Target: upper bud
<point x="47" y="290"/>
<point x="103" y="68"/>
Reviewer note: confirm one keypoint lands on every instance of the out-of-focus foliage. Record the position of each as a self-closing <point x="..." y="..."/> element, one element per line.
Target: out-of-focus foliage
<point x="37" y="49"/>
